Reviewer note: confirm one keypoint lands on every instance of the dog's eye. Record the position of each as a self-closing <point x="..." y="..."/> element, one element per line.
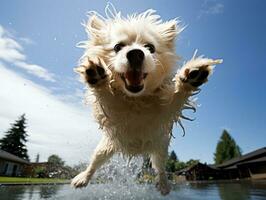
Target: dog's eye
<point x="118" y="47"/>
<point x="151" y="47"/>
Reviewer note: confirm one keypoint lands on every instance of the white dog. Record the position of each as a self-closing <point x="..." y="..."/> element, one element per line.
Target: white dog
<point x="128" y="65"/>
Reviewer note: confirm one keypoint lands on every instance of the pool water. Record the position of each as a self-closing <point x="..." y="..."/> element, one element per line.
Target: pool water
<point x="230" y="190"/>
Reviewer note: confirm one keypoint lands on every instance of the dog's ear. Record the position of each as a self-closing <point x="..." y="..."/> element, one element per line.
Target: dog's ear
<point x="169" y="30"/>
<point x="95" y="26"/>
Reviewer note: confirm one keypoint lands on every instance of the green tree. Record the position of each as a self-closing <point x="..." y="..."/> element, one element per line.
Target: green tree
<point x="180" y="165"/>
<point x="226" y="149"/>
<point x="55" y="160"/>
<point x="173" y="156"/>
<point x="40" y="172"/>
<point x="15" y="139"/>
<point x="191" y="162"/>
<point x="57" y="169"/>
<point x="171" y="162"/>
<point x="55" y="166"/>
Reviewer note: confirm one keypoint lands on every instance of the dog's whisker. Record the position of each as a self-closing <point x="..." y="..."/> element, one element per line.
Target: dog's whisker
<point x="160" y="64"/>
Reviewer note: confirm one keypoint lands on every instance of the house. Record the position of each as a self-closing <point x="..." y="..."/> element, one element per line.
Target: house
<point x="251" y="165"/>
<point x="199" y="171"/>
<point x="37" y="169"/>
<point x="11" y="165"/>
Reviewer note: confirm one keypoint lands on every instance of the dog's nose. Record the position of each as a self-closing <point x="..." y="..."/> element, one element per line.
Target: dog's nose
<point x="135" y="58"/>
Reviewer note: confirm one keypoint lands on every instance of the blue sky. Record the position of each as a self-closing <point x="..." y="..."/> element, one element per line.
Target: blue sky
<point x="46" y="33"/>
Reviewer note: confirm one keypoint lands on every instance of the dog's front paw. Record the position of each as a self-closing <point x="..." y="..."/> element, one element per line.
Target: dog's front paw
<point x="81" y="180"/>
<point x="197" y="70"/>
<point x="164" y="187"/>
<point x="93" y="73"/>
<point x="162" y="184"/>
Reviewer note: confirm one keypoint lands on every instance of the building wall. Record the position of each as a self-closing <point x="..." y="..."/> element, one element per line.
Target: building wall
<point x="257" y="170"/>
<point x="8" y="168"/>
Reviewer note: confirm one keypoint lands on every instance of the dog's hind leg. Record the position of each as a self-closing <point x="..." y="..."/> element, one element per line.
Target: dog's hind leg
<point x="101" y="154"/>
<point x="158" y="163"/>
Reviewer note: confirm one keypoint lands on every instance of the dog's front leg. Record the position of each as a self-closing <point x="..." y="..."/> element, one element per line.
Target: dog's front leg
<point x="158" y="163"/>
<point x="93" y="72"/>
<point x="102" y="153"/>
<point x="194" y="73"/>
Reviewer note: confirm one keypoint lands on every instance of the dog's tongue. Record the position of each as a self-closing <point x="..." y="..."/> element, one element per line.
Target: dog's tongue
<point x="134" y="77"/>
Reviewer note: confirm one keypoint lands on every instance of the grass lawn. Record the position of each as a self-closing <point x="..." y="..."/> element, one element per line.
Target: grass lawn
<point x="23" y="180"/>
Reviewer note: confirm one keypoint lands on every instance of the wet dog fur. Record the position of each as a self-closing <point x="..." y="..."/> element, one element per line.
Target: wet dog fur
<point x="128" y="66"/>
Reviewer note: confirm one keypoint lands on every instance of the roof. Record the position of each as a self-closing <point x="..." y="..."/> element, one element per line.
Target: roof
<point x="10" y="157"/>
<point x="194" y="165"/>
<point x="262" y="159"/>
<point x="39" y="163"/>
<point x="246" y="157"/>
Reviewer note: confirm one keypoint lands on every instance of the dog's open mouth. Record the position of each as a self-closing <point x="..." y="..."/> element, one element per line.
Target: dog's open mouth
<point x="134" y="80"/>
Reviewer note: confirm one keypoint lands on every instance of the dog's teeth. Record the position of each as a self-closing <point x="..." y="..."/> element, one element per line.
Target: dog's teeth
<point x="128" y="83"/>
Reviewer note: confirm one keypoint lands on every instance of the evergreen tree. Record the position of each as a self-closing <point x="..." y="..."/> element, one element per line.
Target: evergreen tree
<point x="226" y="149"/>
<point x="173" y="156"/>
<point x="171" y="162"/>
<point x="15" y="139"/>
